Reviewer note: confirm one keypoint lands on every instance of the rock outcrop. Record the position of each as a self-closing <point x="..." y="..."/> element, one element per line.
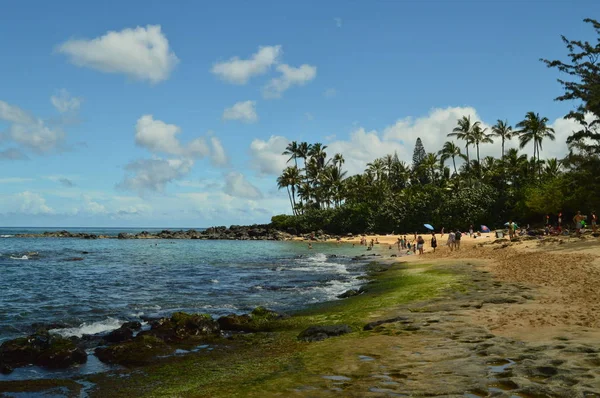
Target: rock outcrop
<point x="42" y="349"/>
<point x="234" y="232"/>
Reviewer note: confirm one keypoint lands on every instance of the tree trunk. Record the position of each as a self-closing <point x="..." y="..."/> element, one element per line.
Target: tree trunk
<point x="290" y="196"/>
<point x="454" y="163"/>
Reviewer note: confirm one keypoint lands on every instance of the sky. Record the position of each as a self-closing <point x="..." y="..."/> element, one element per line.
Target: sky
<point x="156" y="114"/>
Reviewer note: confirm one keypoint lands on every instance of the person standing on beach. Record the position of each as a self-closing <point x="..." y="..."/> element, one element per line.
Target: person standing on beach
<point x="559" y="220"/>
<point x="511" y="230"/>
<point x="450" y="242"/>
<point x="471" y="230"/>
<point x="578" y="220"/>
<point x="594" y="219"/>
<point x="420" y="244"/>
<point x="442" y="232"/>
<point x="433" y="241"/>
<point x="457" y="237"/>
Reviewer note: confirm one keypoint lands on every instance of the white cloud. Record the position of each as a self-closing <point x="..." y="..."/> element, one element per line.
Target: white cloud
<point x="28" y="131"/>
<point x="160" y="137"/>
<point x="363" y="146"/>
<point x="64" y="102"/>
<point x="239" y="71"/>
<point x="237" y="185"/>
<point x="290" y="76"/>
<point x="218" y="157"/>
<point x="242" y="111"/>
<point x="33" y="203"/>
<point x="142" y="53"/>
<point x="338" y="22"/>
<point x="266" y="155"/>
<point x="152" y="175"/>
<point x="330" y="93"/>
<point x="157" y="136"/>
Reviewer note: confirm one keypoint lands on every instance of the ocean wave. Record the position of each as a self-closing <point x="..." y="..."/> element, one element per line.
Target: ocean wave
<point x="6" y="236"/>
<point x="23" y="257"/>
<point x="90" y="328"/>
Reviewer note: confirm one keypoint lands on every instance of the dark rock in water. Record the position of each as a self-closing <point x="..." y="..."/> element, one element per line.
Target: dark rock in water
<point x="318" y="333"/>
<point x="133" y="325"/>
<point x="139" y="351"/>
<point x="123" y="235"/>
<point x="260" y="319"/>
<point x="240" y="323"/>
<point x="182" y="326"/>
<point x="349" y="293"/>
<point x="119" y="335"/>
<point x="262" y="312"/>
<point x="41" y="349"/>
<point x="5" y="369"/>
<point x="84" y="252"/>
<point x="74" y="259"/>
<point x="61" y="356"/>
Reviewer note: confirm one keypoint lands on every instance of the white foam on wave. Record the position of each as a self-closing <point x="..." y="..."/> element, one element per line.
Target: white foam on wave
<point x="334" y="288"/>
<point x="90" y="328"/>
<point x="23" y="257"/>
<point x="318" y="263"/>
<point x="6" y="236"/>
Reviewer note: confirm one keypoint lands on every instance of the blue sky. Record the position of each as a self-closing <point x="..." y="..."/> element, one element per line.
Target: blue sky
<point x="144" y="113"/>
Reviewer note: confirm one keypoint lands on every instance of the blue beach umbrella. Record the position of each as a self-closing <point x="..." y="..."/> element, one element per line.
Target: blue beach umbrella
<point x="484" y="228"/>
<point x="428" y="226"/>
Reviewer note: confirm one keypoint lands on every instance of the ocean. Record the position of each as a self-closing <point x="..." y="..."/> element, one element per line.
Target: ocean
<point x="125" y="280"/>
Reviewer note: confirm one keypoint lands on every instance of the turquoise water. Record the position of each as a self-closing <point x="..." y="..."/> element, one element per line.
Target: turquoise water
<point x="123" y="280"/>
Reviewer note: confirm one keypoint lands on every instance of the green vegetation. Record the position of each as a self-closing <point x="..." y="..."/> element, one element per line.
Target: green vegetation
<point x="393" y="196"/>
<point x="274" y="361"/>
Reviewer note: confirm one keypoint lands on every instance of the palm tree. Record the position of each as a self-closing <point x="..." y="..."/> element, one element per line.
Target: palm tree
<point x="338" y="161"/>
<point x="292" y="150"/>
<point x="376" y="168"/>
<point x="534" y="128"/>
<point x="317" y="152"/>
<point x="290" y="178"/>
<point x="480" y="137"/>
<point x="450" y="150"/>
<point x="553" y="167"/>
<point x="429" y="164"/>
<point x="503" y="130"/>
<point x="464" y="131"/>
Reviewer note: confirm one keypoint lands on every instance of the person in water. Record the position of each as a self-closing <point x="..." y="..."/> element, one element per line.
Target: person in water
<point x="310" y="245"/>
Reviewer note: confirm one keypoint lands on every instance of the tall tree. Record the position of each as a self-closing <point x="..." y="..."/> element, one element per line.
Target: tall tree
<point x="534" y="128"/>
<point x="450" y="151"/>
<point x="292" y="149"/>
<point x="418" y="153"/>
<point x="464" y="131"/>
<point x="479" y="136"/>
<point x="502" y="130"/>
<point x="584" y="68"/>
<point x="290" y="178"/>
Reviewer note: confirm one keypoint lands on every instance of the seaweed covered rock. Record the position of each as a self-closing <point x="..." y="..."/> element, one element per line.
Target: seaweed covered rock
<point x="258" y="320"/>
<point x="181" y="326"/>
<point x="137" y="352"/>
<point x="318" y="333"/>
<point x="119" y="335"/>
<point x="238" y="323"/>
<point x="262" y="312"/>
<point x="62" y="355"/>
<point x="42" y="349"/>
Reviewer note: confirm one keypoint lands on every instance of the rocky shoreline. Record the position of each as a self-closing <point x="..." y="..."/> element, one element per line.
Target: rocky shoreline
<point x="234" y="232"/>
